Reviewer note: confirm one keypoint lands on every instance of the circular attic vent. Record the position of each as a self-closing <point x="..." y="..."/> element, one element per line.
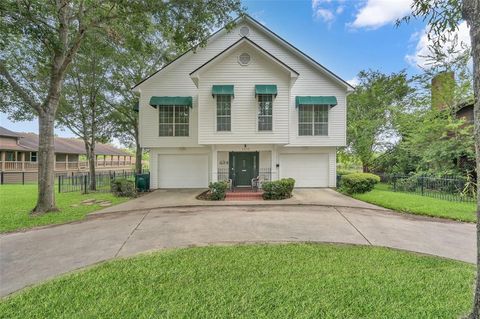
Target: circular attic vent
<point x="244" y="31"/>
<point x="244" y="58"/>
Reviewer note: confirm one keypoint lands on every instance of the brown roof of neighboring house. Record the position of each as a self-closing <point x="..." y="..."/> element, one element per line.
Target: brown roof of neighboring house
<point x="29" y="142"/>
<point x="5" y="132"/>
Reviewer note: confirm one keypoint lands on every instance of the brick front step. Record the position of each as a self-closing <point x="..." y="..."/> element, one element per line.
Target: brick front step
<point x="243" y="196"/>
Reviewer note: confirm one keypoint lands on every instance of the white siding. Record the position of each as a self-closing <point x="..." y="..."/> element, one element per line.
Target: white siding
<point x="175" y="81"/>
<point x="244" y="105"/>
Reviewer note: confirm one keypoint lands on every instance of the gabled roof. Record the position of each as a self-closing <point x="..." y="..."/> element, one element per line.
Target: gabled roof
<point x="273" y="35"/>
<point x="5" y="132"/>
<point x="241" y="41"/>
<point x="28" y="142"/>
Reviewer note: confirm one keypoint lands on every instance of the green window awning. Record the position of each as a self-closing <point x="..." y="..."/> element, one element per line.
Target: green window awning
<point x="265" y="89"/>
<point x="156" y="101"/>
<point x="315" y="100"/>
<point x="222" y="90"/>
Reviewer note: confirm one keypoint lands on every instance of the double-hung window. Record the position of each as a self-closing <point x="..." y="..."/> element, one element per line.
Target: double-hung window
<point x="33" y="156"/>
<point x="313" y="120"/>
<point x="224" y="113"/>
<point x="173" y="120"/>
<point x="265" y="112"/>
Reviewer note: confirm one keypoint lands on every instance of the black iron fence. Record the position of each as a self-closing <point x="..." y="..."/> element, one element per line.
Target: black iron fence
<point x="223" y="174"/>
<point x="450" y="188"/>
<point x="81" y="182"/>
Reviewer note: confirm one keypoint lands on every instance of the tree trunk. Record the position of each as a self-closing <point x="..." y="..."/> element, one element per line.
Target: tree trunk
<point x="138" y="156"/>
<point x="471" y="13"/>
<point x="90" y="147"/>
<point x="46" y="161"/>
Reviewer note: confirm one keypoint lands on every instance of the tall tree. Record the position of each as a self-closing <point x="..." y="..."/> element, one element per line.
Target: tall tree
<point x="41" y="38"/>
<point x="84" y="109"/>
<point x="132" y="62"/>
<point x="444" y="16"/>
<point x="369" y="112"/>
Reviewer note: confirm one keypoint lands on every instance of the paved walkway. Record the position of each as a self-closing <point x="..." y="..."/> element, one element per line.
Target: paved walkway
<point x="33" y="256"/>
<point x="170" y="198"/>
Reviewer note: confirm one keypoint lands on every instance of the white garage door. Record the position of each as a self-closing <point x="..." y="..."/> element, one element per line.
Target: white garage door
<point x="308" y="170"/>
<point x="182" y="171"/>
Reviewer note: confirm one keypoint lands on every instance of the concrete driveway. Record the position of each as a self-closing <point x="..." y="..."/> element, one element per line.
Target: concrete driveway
<point x="170" y="198"/>
<point x="33" y="256"/>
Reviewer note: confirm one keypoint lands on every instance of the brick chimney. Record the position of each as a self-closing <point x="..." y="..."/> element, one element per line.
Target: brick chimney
<point x="443" y="89"/>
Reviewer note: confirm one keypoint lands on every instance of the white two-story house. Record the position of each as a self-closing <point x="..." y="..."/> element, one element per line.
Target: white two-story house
<point x="248" y="104"/>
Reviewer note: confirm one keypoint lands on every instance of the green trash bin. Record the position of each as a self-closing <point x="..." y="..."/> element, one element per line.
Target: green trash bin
<point x="142" y="182"/>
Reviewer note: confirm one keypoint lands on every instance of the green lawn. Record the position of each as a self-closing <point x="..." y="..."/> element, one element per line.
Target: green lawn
<point x="16" y="201"/>
<point x="258" y="281"/>
<point x="421" y="205"/>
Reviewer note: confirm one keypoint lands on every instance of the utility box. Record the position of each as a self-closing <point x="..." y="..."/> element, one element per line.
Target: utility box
<point x="142" y="182"/>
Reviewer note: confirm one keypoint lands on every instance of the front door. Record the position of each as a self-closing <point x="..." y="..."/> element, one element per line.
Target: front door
<point x="243" y="167"/>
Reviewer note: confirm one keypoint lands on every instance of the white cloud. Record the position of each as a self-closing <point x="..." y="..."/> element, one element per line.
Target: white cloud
<point x="354" y="81"/>
<point x="420" y="57"/>
<point x="324" y="14"/>
<point x="377" y="13"/>
<point x="325" y="10"/>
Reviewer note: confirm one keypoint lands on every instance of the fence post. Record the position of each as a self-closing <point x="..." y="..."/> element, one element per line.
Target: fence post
<point x="23" y="178"/>
<point x="59" y="180"/>
<point x="1" y="178"/>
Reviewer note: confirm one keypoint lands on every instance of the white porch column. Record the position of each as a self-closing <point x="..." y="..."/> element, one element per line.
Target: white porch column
<point x="214" y="175"/>
<point x="22" y="158"/>
<point x="66" y="162"/>
<point x="274" y="159"/>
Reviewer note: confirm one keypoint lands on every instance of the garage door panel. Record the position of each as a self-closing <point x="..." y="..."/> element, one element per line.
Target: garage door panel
<point x="308" y="170"/>
<point x="182" y="171"/>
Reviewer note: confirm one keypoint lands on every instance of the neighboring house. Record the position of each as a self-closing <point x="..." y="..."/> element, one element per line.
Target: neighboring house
<point x="443" y="97"/>
<point x="465" y="112"/>
<point x="248" y="104"/>
<point x="19" y="153"/>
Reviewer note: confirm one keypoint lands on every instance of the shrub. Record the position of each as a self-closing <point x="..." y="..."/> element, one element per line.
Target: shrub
<point x="122" y="187"/>
<point x="280" y="189"/>
<point x="358" y="183"/>
<point x="217" y="190"/>
<point x="406" y="184"/>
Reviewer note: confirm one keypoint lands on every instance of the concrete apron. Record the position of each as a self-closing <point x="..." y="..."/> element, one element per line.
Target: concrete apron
<point x="172" y="198"/>
<point x="33" y="256"/>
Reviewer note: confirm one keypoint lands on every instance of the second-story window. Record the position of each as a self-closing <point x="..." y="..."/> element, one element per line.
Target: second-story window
<point x="224" y="113"/>
<point x="313" y="120"/>
<point x="173" y="120"/>
<point x="265" y="112"/>
<point x="33" y="156"/>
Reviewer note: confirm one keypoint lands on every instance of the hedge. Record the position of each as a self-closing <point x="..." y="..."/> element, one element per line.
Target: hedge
<point x="217" y="190"/>
<point x="122" y="187"/>
<point x="280" y="189"/>
<point x="358" y="183"/>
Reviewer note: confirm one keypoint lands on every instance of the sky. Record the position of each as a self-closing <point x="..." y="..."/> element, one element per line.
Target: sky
<point x="346" y="36"/>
